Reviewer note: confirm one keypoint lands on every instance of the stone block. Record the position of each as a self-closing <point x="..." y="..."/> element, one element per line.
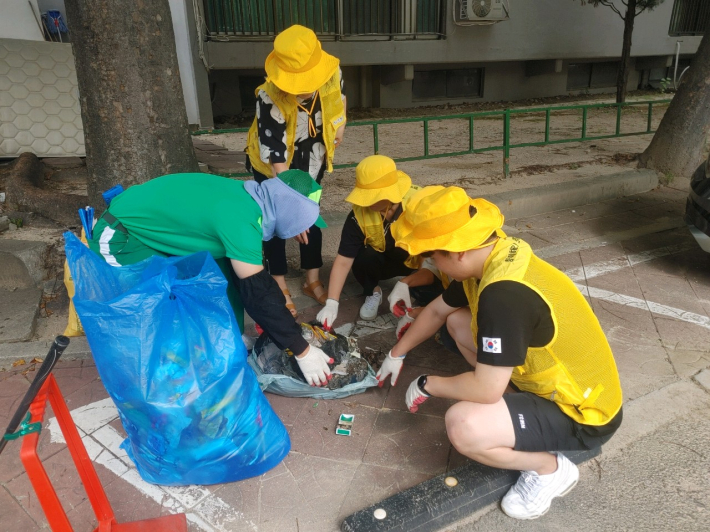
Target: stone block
<point x="22" y="263"/>
<point x="18" y="314"/>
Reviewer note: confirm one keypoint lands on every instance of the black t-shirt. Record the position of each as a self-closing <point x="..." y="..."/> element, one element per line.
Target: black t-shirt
<point x="352" y="238"/>
<point x="511" y="317"/>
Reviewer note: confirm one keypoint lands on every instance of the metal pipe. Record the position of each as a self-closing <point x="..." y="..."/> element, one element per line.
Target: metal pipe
<point x="677" y="56"/>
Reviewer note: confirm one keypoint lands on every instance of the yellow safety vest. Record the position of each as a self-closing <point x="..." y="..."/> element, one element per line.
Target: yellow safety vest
<point x="332" y="111"/>
<point x="576" y="370"/>
<point x="372" y="226"/>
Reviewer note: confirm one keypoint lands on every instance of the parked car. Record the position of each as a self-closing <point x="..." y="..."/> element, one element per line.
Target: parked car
<point x="697" y="208"/>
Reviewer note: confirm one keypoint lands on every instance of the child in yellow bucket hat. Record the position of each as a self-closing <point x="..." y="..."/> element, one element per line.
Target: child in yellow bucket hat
<point x="300" y="120"/>
<point x="366" y="244"/>
<point x="516" y="319"/>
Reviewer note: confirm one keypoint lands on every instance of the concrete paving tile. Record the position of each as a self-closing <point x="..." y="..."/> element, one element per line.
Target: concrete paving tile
<point x="10" y="465"/>
<point x="432" y="407"/>
<point x="662" y="210"/>
<point x="602" y="254"/>
<point x="69" y="363"/>
<point x="643" y="365"/>
<point x="673" y="291"/>
<point x="566" y="262"/>
<point x="622" y="282"/>
<point x="693" y="264"/>
<point x="129" y="504"/>
<point x="550" y="219"/>
<point x="665" y="194"/>
<point x="287" y="408"/>
<point x="70" y="380"/>
<point x="678" y="334"/>
<point x="283" y="507"/>
<point x="555" y="235"/>
<point x="313" y="431"/>
<point x="323" y="485"/>
<point x="618" y="222"/>
<point x="611" y="315"/>
<point x="12" y="389"/>
<point x="374" y="397"/>
<point x="634" y="201"/>
<point x="91" y="392"/>
<point x="657" y="240"/>
<point x="372" y="484"/>
<point x="687" y="362"/>
<point x="243" y="500"/>
<point x="83" y="517"/>
<point x="13" y="515"/>
<point x="534" y="241"/>
<point x="415" y="442"/>
<point x="65" y="481"/>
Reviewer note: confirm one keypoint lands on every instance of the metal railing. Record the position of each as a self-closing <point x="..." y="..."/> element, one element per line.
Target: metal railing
<point x="505" y="116"/>
<point x="689" y="17"/>
<point x="334" y="19"/>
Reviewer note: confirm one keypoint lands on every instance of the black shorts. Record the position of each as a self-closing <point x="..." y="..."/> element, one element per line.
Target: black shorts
<point x="540" y="425"/>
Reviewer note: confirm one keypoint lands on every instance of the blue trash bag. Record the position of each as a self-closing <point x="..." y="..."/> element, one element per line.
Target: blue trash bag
<point x="169" y="352"/>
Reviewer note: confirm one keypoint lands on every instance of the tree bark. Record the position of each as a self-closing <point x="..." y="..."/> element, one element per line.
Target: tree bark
<point x="678" y="146"/>
<point x="132" y="105"/>
<point x="622" y="79"/>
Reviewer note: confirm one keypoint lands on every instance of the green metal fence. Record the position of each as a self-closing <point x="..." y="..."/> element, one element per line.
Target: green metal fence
<point x="505" y="116"/>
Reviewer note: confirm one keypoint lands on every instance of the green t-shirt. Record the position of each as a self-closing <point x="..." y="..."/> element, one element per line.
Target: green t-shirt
<point x="180" y="214"/>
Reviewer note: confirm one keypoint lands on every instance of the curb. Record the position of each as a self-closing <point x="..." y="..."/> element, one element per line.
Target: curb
<point x="558" y="196"/>
<point x="431" y="505"/>
<point x="9" y="352"/>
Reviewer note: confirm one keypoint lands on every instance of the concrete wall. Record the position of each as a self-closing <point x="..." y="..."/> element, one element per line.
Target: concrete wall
<point x="507" y="81"/>
<point x="540" y="29"/>
<point x="18" y="22"/>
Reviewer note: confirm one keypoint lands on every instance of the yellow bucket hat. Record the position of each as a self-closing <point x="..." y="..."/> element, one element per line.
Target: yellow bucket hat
<point x="440" y="218"/>
<point x="298" y="64"/>
<point x="377" y="179"/>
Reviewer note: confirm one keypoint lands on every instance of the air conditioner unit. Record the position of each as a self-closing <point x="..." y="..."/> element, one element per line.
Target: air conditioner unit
<point x="481" y="11"/>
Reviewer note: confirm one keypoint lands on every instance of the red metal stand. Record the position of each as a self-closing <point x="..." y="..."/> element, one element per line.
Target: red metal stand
<point x="53" y="510"/>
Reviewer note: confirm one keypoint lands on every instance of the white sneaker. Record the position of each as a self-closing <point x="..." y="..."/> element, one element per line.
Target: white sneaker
<point x="368" y="310"/>
<point x="531" y="496"/>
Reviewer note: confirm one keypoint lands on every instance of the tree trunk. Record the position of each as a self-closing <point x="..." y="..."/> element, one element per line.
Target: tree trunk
<point x="132" y="105"/>
<point x="678" y="146"/>
<point x="25" y="192"/>
<point x="622" y="78"/>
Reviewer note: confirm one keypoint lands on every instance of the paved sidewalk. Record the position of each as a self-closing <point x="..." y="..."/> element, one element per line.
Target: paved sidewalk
<point x="648" y="283"/>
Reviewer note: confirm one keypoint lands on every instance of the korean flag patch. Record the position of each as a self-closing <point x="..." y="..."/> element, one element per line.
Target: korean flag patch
<point x="491" y="345"/>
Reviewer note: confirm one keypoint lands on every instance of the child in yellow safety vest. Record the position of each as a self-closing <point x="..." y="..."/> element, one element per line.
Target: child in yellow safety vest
<point x="517" y="320"/>
<point x="300" y="120"/>
<point x="366" y="244"/>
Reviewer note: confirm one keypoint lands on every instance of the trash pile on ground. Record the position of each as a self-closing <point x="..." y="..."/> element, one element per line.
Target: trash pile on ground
<point x="279" y="372"/>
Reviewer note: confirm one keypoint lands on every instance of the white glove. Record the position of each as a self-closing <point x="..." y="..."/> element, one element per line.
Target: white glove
<point x="400" y="292"/>
<point x="403" y="324"/>
<point x="314" y="365"/>
<point x="390" y="365"/>
<point x="415" y="395"/>
<point x="328" y="313"/>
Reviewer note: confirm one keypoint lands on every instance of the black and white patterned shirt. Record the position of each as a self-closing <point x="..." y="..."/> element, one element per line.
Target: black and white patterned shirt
<point x="309" y="152"/>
